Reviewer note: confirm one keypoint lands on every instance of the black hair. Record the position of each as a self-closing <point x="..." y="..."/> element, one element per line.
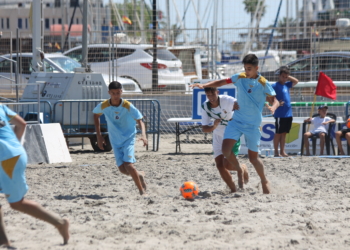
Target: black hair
<point x="284" y="70"/>
<point x="251" y="59"/>
<point x="115" y="85"/>
<point x="210" y="89"/>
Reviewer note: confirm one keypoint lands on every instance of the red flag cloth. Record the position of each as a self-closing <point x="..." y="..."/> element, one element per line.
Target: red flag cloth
<point x="325" y="87"/>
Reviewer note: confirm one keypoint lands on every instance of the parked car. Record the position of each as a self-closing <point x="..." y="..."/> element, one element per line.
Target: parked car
<point x="134" y="61"/>
<point x="57" y="63"/>
<point x="336" y="65"/>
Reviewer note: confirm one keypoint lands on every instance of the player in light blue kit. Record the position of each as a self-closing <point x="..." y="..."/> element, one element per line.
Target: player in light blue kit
<point x="121" y="117"/>
<point x="13" y="162"/>
<point x="252" y="91"/>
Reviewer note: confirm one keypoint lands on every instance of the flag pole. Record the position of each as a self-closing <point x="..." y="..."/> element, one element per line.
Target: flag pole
<point x="311" y="112"/>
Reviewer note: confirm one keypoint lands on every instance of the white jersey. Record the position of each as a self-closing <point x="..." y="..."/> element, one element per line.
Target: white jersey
<point x="318" y="126"/>
<point x="223" y="111"/>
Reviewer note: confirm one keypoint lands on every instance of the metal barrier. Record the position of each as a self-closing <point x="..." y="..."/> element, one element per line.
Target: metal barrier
<point x="76" y="117"/>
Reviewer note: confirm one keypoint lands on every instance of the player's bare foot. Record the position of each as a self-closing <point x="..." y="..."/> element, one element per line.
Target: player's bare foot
<point x="285" y="155"/>
<point x="142" y="179"/>
<point x="63" y="229"/>
<point x="245" y="173"/>
<point x="307" y="154"/>
<point x="277" y="156"/>
<point x="266" y="187"/>
<point x="143" y="193"/>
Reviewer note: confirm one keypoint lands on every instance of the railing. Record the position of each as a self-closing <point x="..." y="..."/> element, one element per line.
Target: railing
<point x="76" y="117"/>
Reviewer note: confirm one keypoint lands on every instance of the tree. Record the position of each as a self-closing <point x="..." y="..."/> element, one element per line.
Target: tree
<point x="250" y="8"/>
<point x="282" y="25"/>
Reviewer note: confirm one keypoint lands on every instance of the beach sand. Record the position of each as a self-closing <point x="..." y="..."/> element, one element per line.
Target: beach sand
<point x="309" y="207"/>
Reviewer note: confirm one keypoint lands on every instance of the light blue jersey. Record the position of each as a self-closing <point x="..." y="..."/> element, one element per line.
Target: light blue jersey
<point x="252" y="95"/>
<point x="121" y="121"/>
<point x="9" y="144"/>
<point x="13" y="160"/>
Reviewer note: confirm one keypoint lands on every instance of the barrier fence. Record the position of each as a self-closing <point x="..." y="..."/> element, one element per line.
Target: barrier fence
<point x="76" y="118"/>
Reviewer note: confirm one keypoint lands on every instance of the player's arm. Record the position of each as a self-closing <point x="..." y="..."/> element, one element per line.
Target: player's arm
<point x="100" y="139"/>
<point x="293" y="80"/>
<point x="216" y="83"/>
<point x="208" y="129"/>
<point x="273" y="102"/>
<point x="20" y="126"/>
<point x="143" y="132"/>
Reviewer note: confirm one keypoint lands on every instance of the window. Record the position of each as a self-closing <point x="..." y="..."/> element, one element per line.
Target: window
<point x="77" y="21"/>
<point x="334" y="63"/>
<point x="5" y="66"/>
<point x="53" y="21"/>
<point x="59" y="21"/>
<point x="26" y="20"/>
<point x="301" y="65"/>
<point x="163" y="54"/>
<point x="8" y="23"/>
<point x="68" y="64"/>
<point x="47" y="23"/>
<point x="19" y="23"/>
<point x="76" y="55"/>
<point x="124" y="52"/>
<point x="2" y="23"/>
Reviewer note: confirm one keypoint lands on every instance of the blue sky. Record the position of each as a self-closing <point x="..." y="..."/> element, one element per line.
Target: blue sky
<point x="232" y="15"/>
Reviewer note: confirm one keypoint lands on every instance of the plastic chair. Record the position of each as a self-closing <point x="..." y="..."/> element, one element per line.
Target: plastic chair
<point x="328" y="138"/>
<point x="340" y="127"/>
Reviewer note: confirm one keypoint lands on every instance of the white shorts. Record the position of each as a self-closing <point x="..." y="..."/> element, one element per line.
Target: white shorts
<point x="217" y="145"/>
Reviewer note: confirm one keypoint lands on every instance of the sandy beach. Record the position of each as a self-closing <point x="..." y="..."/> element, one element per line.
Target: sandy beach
<point x="309" y="207"/>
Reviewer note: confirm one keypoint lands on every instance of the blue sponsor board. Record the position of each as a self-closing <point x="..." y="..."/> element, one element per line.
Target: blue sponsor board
<point x="198" y="97"/>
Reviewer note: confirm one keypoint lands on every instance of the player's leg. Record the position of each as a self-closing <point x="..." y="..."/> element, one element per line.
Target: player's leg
<point x="14" y="186"/>
<point x="276" y="143"/>
<point x="128" y="159"/>
<point x="259" y="168"/>
<point x="36" y="210"/>
<point x="338" y="135"/>
<point x="231" y="136"/>
<point x="227" y="151"/>
<point x="322" y="141"/>
<point x="252" y="136"/>
<point x="224" y="173"/>
<point x="283" y="144"/>
<point x="3" y="237"/>
<point x="306" y="143"/>
<point x="286" y="125"/>
<point x="235" y="150"/>
<point x="135" y="176"/>
<point x="221" y="163"/>
<point x="277" y="137"/>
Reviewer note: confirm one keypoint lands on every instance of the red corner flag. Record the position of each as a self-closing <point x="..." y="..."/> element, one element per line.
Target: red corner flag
<point x="325" y="87"/>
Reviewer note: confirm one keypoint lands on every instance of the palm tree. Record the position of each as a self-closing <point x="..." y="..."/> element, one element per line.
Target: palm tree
<point x="282" y="25"/>
<point x="250" y="8"/>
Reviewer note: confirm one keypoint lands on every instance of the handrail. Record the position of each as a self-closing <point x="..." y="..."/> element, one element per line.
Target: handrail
<point x="80" y="116"/>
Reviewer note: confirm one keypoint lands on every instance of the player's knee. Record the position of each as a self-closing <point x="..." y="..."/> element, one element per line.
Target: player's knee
<point x="16" y="205"/>
<point x="129" y="166"/>
<point x="123" y="170"/>
<point x="322" y="135"/>
<point x="226" y="152"/>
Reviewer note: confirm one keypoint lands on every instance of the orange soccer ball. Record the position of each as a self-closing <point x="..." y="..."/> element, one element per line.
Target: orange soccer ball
<point x="348" y="123"/>
<point x="189" y="190"/>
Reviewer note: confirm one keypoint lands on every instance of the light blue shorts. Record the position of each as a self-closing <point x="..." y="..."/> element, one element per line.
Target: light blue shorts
<point x="234" y="130"/>
<point x="125" y="153"/>
<point x="13" y="179"/>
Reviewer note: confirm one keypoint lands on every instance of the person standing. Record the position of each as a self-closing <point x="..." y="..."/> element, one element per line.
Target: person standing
<point x="283" y="114"/>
